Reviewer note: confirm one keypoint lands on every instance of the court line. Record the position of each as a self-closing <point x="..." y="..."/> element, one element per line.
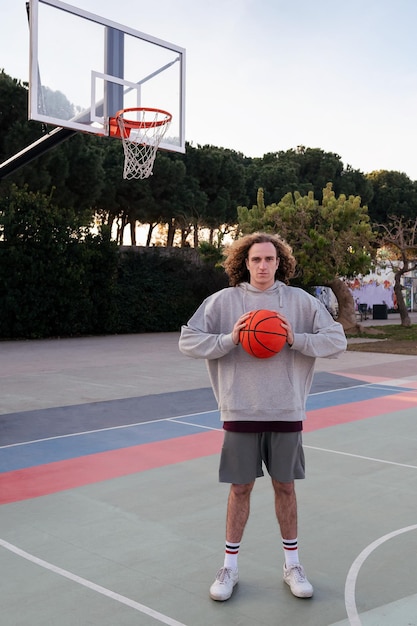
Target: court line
<point x="359" y="456"/>
<point x="160" y="617"/>
<point x="177" y="420"/>
<point x="352" y="575"/>
<point x="384" y="385"/>
<point x="172" y="419"/>
<point x="101" y="430"/>
<point x="398" y="382"/>
<point x="350" y="586"/>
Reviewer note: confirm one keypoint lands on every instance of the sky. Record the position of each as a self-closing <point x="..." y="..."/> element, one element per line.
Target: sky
<point x="271" y="75"/>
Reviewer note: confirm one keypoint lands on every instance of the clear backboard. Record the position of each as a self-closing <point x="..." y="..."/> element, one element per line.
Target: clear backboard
<point x="85" y="68"/>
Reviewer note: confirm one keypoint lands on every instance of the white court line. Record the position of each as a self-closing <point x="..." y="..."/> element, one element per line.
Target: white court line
<point x="377" y="385"/>
<point x="186" y="423"/>
<point x="353" y="572"/>
<point x="176" y="418"/>
<point x="397" y="382"/>
<point x="350" y="601"/>
<point x="350" y="585"/>
<point x="180" y="417"/>
<point x="101" y="430"/>
<point x="358" y="456"/>
<point x="327" y="391"/>
<point x="122" y="426"/>
<point x="90" y="585"/>
<point x="396" y="388"/>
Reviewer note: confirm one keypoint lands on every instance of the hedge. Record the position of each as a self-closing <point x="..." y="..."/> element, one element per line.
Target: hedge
<point x="93" y="288"/>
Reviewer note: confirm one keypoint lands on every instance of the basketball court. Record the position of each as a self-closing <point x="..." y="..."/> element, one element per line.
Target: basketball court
<point x="111" y="512"/>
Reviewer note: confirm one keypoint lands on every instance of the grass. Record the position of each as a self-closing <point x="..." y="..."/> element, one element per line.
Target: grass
<point x="391" y="339"/>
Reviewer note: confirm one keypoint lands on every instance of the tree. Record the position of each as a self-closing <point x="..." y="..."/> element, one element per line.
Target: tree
<point x="56" y="278"/>
<point x="16" y="132"/>
<point x="72" y="171"/>
<point x="221" y="176"/>
<point x="354" y="183"/>
<point x="194" y="206"/>
<point x="13" y="99"/>
<point x="399" y="236"/>
<point x="276" y="173"/>
<point x="394" y="194"/>
<point x="317" y="168"/>
<point x="79" y="184"/>
<point x="331" y="240"/>
<point x="167" y="185"/>
<point x="303" y="170"/>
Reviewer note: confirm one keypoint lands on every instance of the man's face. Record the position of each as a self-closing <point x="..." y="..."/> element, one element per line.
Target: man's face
<point x="262" y="263"/>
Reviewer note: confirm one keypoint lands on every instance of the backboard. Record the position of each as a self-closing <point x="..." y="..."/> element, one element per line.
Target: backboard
<point x="85" y="68"/>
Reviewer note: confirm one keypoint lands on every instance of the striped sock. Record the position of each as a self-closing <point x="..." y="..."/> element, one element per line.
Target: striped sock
<point x="290" y="551"/>
<point x="230" y="554"/>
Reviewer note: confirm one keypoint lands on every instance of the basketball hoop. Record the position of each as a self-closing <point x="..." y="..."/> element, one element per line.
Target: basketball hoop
<point x="141" y="138"/>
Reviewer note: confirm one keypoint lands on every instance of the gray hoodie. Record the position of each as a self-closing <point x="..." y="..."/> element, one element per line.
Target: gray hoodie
<point x="247" y="388"/>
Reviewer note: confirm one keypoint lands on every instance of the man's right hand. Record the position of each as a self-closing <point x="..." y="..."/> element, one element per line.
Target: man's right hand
<point x="240" y="324"/>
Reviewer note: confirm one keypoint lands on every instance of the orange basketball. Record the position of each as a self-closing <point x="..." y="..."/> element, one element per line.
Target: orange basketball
<point x="263" y="335"/>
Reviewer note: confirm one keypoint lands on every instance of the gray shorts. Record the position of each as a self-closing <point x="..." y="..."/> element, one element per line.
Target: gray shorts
<point x="243" y="453"/>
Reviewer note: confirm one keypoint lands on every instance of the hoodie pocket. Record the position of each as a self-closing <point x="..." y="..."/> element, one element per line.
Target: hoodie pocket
<point x="261" y="385"/>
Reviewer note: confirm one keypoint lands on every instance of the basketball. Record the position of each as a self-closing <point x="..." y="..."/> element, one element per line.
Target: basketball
<point x="263" y="335"/>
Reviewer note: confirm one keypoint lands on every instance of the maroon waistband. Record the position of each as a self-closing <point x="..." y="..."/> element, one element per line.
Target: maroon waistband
<point x="263" y="427"/>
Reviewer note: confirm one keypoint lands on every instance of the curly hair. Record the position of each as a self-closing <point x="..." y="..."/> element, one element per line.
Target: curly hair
<point x="237" y="253"/>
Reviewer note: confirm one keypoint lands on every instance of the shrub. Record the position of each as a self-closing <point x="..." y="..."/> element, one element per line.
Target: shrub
<point x="57" y="279"/>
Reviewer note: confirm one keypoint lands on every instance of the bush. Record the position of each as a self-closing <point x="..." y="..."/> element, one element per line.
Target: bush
<point x="159" y="292"/>
<point x="56" y="279"/>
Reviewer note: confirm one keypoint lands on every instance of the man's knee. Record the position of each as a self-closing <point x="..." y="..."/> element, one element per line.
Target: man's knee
<point x="285" y="489"/>
<point x="241" y="491"/>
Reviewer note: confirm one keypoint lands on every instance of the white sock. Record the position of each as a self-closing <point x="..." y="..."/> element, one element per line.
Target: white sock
<point x="230" y="554"/>
<point x="290" y="551"/>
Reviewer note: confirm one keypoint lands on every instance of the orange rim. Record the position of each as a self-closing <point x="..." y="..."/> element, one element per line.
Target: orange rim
<point x="114" y="129"/>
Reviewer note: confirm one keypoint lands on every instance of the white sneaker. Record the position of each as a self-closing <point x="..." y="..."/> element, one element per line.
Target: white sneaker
<point x="222" y="588"/>
<point x="295" y="577"/>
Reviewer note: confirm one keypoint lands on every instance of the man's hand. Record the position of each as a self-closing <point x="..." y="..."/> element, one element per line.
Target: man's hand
<point x="240" y="324"/>
<point x="287" y="326"/>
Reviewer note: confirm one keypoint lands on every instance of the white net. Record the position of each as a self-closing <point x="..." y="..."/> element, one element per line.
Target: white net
<point x="141" y="138"/>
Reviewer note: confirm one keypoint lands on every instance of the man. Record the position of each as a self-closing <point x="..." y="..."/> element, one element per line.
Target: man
<point x="261" y="401"/>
